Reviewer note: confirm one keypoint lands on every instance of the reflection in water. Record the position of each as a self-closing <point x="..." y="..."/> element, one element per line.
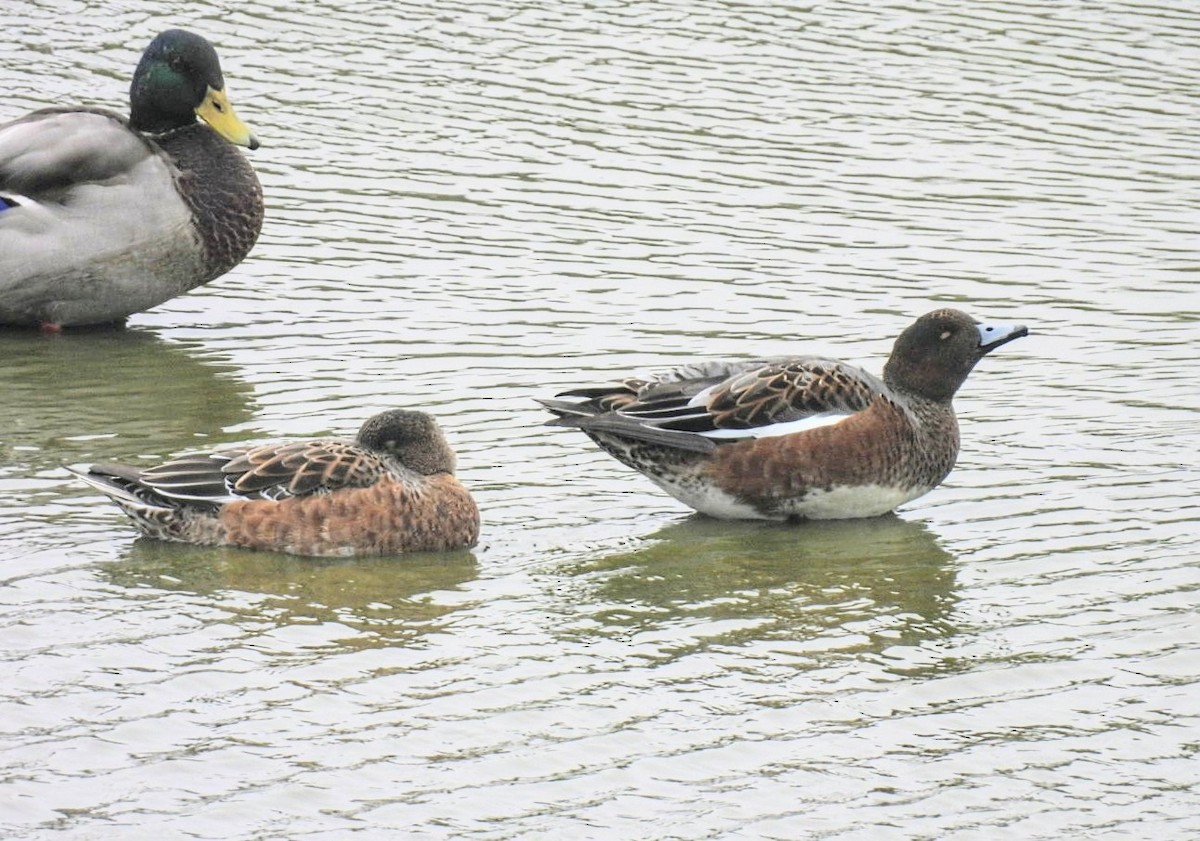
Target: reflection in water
<point x="378" y="600"/>
<point x="748" y="581"/>
<point x="62" y="393"/>
<point x="97" y="396"/>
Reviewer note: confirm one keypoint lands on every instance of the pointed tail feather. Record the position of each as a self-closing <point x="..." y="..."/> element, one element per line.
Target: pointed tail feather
<point x="587" y="417"/>
<point x="568" y="412"/>
<point x="116" y="481"/>
<point x="623" y="427"/>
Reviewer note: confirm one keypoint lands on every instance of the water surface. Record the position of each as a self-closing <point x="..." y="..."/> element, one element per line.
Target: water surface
<point x="470" y="205"/>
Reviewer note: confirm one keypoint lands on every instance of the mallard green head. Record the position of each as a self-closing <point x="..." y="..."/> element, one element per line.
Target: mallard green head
<point x="178" y="79"/>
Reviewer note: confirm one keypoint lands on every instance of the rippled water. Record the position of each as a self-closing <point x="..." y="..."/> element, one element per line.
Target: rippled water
<point x="473" y="204"/>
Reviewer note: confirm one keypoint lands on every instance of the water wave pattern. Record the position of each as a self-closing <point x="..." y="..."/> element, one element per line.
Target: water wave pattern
<point x="470" y="205"/>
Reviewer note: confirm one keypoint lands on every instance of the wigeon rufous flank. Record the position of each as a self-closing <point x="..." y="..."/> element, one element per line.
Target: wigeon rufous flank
<point x="794" y="438"/>
<point x="391" y="490"/>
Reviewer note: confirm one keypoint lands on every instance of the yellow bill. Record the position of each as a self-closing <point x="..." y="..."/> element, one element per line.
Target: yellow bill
<point x="218" y="113"/>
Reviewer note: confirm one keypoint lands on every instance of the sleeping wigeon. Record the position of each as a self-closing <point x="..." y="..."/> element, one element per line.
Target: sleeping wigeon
<point x="389" y="491"/>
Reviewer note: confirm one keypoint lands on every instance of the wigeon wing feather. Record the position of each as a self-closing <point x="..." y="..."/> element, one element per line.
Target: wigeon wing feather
<point x="302" y="467"/>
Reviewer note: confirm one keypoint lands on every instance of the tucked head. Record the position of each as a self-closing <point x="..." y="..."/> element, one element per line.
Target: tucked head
<point x="933" y="356"/>
<point x="178" y="79"/>
<point x="412" y="438"/>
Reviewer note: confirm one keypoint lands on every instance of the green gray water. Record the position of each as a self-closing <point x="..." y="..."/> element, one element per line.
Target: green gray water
<point x="473" y="204"/>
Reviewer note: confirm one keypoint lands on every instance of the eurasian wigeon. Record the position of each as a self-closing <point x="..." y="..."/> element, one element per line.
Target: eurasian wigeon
<point x="794" y="438"/>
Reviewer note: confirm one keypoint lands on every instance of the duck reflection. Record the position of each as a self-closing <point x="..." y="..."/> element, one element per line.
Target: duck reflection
<point x="62" y="393"/>
<point x="870" y="583"/>
<point x="376" y="600"/>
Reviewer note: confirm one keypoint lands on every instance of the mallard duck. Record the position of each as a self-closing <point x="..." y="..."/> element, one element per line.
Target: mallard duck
<point x="102" y="217"/>
<point x="390" y="490"/>
<point x="800" y="437"/>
